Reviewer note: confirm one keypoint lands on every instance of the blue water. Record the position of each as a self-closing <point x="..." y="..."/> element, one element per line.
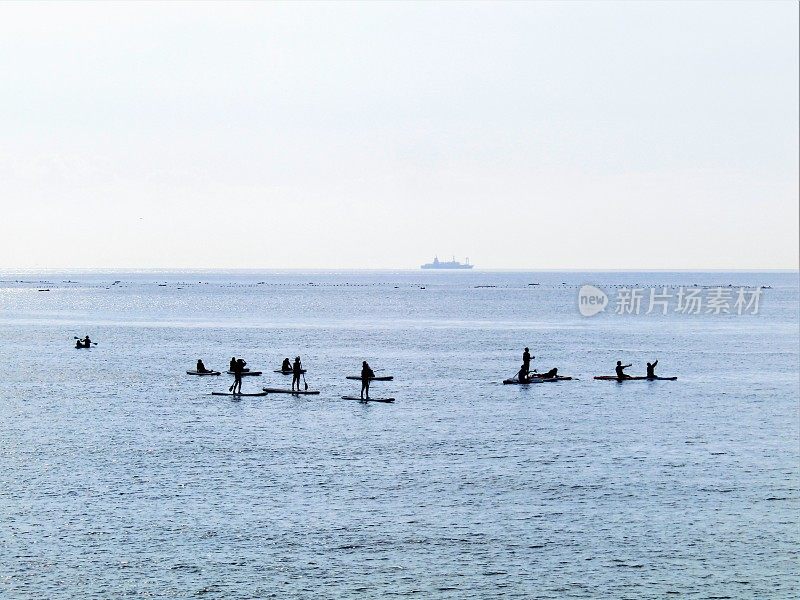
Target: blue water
<point x="121" y="475"/>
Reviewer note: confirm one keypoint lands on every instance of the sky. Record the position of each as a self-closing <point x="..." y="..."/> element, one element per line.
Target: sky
<point x="635" y="135"/>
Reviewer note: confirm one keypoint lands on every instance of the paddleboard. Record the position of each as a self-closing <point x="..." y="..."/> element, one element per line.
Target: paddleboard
<point x="238" y="394"/>
<point x="295" y="392"/>
<point x="367" y="400"/>
<point x="203" y="373"/>
<point x="378" y="378"/>
<point x="247" y="373"/>
<point x="615" y="378"/>
<point x="535" y="380"/>
<point x="287" y="372"/>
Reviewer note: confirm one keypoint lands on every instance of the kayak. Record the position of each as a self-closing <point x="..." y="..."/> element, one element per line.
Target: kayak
<point x="287" y="372"/>
<point x="203" y="373"/>
<point x="294" y="392"/>
<point x="367" y="399"/>
<point x="516" y="381"/>
<point x="615" y="378"/>
<point x="378" y="378"/>
<point x="247" y="373"/>
<point x="238" y="394"/>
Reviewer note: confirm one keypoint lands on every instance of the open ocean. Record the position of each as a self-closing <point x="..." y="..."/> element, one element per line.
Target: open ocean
<point x="121" y="476"/>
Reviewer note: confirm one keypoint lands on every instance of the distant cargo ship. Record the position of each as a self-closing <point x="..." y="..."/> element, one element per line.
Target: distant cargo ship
<point x="449" y="264"/>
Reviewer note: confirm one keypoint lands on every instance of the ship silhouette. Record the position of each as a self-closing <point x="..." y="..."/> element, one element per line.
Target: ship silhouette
<point x="449" y="264"/>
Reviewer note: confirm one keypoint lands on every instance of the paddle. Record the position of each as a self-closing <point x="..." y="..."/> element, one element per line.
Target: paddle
<point x="304" y="381"/>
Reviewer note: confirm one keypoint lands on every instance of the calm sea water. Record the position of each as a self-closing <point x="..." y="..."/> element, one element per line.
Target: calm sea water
<point x="120" y="475"/>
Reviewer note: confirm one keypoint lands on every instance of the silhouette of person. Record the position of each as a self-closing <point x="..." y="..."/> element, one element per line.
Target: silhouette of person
<point x="286" y="366"/>
<point x="651" y="370"/>
<point x="201" y="368"/>
<point x="619" y="370"/>
<point x="297" y="369"/>
<point x="237" y="376"/>
<point x="366" y="375"/>
<point x="526" y="362"/>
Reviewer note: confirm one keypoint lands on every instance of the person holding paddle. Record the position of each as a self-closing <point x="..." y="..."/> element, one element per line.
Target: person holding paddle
<point x="526" y="364"/>
<point x="238" y="369"/>
<point x="297" y="370"/>
<point x="366" y="375"/>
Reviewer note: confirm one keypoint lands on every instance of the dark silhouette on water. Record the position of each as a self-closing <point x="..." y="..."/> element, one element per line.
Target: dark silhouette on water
<point x="526" y="364"/>
<point x="238" y="369"/>
<point x="297" y="369"/>
<point x="366" y="375"/>
<point x="651" y="370"/>
<point x="286" y="366"/>
<point x="83" y="343"/>
<point x="549" y="374"/>
<point x="620" y="372"/>
<point x="201" y="368"/>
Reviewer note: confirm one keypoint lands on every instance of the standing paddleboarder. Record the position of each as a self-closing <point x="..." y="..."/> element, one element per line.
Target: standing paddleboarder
<point x="297" y="370"/>
<point x="238" y="369"/>
<point x="526" y="364"/>
<point x="366" y="375"/>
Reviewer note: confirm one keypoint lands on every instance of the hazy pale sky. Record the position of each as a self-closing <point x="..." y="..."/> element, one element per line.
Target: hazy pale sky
<point x="537" y="136"/>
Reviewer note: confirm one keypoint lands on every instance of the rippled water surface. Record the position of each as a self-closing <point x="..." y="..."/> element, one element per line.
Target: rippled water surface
<point x="121" y="475"/>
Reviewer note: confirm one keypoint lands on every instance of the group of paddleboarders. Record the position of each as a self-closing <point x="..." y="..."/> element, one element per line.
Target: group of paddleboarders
<point x="620" y="370"/>
<point x="84" y="343"/>
<point x="524" y="373"/>
<point x="237" y="368"/>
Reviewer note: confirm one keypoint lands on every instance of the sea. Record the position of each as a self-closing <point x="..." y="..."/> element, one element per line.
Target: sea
<point x="122" y="476"/>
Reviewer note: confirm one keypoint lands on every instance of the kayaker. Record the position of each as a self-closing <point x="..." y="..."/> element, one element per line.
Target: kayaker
<point x="366" y="375"/>
<point x="619" y="369"/>
<point x="79" y="344"/>
<point x="201" y="368"/>
<point x="286" y="367"/>
<point x="238" y="369"/>
<point x="526" y="361"/>
<point x="87" y="342"/>
<point x="651" y="370"/>
<point x="297" y="370"/>
<point x="522" y="375"/>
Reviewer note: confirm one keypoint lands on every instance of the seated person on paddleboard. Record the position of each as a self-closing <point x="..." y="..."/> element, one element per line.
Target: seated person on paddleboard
<point x="620" y="372"/>
<point x="201" y="368"/>
<point x="286" y="366"/>
<point x="297" y="370"/>
<point x="366" y="375"/>
<point x="551" y="374"/>
<point x="651" y="370"/>
<point x="522" y="374"/>
<point x="232" y="366"/>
